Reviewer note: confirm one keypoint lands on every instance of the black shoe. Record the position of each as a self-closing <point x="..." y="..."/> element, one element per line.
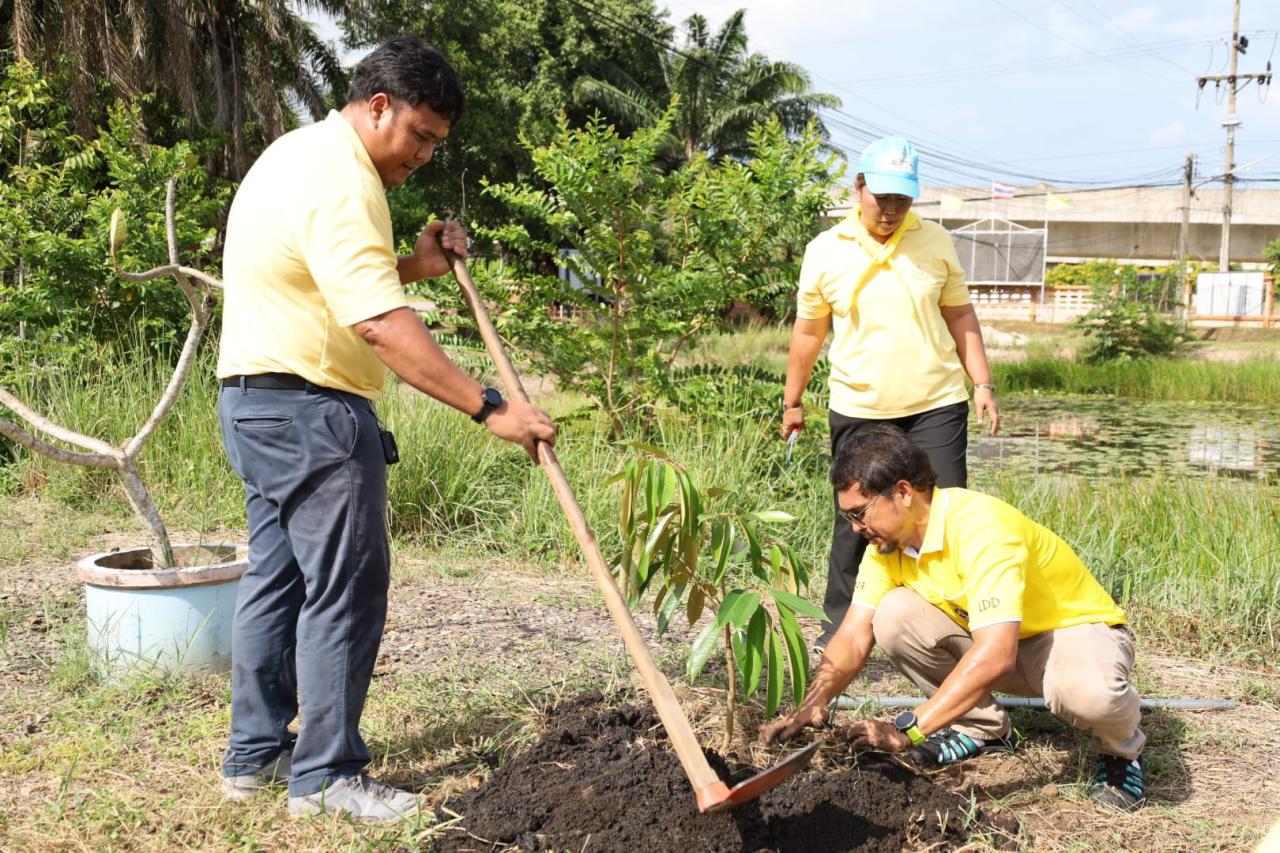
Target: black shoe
<point x="820" y="644"/>
<point x="1120" y="783"/>
<point x="950" y="746"/>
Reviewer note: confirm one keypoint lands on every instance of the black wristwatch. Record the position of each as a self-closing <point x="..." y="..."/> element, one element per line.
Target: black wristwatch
<point x="907" y="724"/>
<point x="490" y="399"/>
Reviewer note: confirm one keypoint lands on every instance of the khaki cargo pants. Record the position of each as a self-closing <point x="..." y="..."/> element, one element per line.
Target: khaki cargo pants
<point x="1082" y="672"/>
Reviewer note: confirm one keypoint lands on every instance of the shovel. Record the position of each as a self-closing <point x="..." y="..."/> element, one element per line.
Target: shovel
<point x="712" y="794"/>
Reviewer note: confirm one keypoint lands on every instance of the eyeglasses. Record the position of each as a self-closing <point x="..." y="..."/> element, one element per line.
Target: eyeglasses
<point x="857" y="516"/>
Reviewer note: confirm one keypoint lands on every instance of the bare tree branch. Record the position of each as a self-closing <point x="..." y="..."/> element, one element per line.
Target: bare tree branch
<point x="48" y="427"/>
<point x="180" y="371"/>
<point x="171" y="269"/>
<point x="59" y="454"/>
<point x="103" y="455"/>
<point x="145" y="507"/>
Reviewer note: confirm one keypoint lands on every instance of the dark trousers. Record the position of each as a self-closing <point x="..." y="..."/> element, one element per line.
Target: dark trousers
<point x="313" y="603"/>
<point x="942" y="433"/>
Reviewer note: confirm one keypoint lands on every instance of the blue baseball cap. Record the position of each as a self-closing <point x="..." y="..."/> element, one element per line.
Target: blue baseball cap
<point x="891" y="166"/>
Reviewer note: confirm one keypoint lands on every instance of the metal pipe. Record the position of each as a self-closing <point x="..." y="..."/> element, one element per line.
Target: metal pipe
<point x="848" y="703"/>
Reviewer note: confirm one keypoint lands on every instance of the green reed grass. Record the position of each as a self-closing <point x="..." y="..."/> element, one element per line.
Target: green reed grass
<point x="110" y="398"/>
<point x="1200" y="555"/>
<point x="762" y="345"/>
<point x="1256" y="381"/>
<point x="1195" y="559"/>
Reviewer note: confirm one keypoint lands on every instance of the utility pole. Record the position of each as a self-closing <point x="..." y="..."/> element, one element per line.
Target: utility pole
<point x="1184" y="235"/>
<point x="1235" y="82"/>
<point x="1231" y="123"/>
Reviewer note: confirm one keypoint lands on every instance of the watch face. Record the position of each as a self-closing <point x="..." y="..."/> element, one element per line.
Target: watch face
<point x="904" y="721"/>
<point x="492" y="397"/>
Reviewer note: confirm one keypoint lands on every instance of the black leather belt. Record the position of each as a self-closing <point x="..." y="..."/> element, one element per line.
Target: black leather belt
<point x="271" y="381"/>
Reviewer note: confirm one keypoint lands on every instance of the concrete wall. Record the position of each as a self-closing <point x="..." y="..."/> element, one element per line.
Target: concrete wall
<point x="1134" y="223"/>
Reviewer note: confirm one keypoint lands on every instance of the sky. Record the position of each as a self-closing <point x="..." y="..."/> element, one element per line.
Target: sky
<point x="1065" y="92"/>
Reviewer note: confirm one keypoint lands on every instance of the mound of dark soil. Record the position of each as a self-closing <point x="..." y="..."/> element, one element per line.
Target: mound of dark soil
<point x="605" y="779"/>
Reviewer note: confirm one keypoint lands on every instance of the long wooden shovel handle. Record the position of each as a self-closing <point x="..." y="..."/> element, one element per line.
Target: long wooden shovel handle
<point x="707" y="786"/>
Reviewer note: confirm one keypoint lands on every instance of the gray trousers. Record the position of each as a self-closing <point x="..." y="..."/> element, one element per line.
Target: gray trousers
<point x="313" y="603"/>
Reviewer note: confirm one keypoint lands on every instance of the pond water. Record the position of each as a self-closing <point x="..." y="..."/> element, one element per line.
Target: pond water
<point x="1111" y="436"/>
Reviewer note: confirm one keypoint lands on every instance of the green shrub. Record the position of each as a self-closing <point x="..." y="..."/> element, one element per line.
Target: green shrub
<point x="1272" y="253"/>
<point x="697" y="549"/>
<point x="656" y="256"/>
<point x="60" y="300"/>
<point x="1121" y="329"/>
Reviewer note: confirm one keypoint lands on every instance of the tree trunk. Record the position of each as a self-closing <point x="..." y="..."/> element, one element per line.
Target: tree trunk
<point x="145" y="507"/>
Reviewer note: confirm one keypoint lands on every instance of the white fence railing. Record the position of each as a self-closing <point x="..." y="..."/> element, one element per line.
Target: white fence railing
<point x="1035" y="304"/>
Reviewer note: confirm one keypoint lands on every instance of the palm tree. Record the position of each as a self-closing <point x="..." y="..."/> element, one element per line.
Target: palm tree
<point x="239" y="69"/>
<point x="722" y="91"/>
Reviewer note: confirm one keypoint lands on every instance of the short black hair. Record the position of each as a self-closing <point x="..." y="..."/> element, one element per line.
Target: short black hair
<point x="409" y="70"/>
<point x="877" y="457"/>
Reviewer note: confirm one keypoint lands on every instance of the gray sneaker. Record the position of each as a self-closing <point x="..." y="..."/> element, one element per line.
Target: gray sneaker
<point x="273" y="773"/>
<point x="362" y="797"/>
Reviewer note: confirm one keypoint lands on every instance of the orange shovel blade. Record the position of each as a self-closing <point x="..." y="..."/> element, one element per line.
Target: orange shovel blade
<point x="748" y="790"/>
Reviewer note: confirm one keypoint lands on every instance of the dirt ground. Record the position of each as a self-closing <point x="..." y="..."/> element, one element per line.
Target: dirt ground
<point x="1215" y="780"/>
<point x="604" y="778"/>
<point x="1215" y="775"/>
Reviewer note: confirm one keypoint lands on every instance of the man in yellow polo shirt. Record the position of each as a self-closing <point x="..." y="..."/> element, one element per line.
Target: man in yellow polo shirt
<point x="315" y="314"/>
<point x="889" y="287"/>
<point x="967" y="595"/>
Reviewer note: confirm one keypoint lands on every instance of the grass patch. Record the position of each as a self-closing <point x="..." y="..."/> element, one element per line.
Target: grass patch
<point x="1255" y="381"/>
<point x="762" y="346"/>
<point x="1204" y="549"/>
<point x="1207" y="549"/>
<point x="134" y="766"/>
<point x="85" y="765"/>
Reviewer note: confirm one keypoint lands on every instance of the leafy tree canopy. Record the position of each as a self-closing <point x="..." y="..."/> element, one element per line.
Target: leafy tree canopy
<point x="58" y="293"/>
<point x="1272" y="253"/>
<point x="517" y="60"/>
<point x="239" y="72"/>
<point x="723" y="91"/>
<point x="650" y="257"/>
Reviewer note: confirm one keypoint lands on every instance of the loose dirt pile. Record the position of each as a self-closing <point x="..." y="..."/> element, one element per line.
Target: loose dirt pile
<point x="605" y="779"/>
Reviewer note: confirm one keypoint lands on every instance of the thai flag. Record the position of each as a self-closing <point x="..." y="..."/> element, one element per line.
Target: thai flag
<point x="1001" y="192"/>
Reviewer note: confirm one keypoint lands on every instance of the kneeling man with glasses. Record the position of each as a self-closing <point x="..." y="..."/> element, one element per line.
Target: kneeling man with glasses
<point x="966" y="595"/>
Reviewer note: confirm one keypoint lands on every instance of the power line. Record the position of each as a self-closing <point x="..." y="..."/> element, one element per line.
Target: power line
<point x="1116" y="26"/>
<point x="971" y="169"/>
<point x="1038" y="26"/>
<point x="1144" y="148"/>
<point x="995" y="69"/>
<point x="1239" y="44"/>
<point x="865" y="131"/>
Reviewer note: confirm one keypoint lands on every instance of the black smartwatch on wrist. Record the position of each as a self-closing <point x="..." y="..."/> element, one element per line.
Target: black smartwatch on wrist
<point x="490" y="399"/>
<point x="907" y="724"/>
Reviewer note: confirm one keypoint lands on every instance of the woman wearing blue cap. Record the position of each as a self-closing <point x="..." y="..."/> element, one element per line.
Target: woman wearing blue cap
<point x="890" y="287"/>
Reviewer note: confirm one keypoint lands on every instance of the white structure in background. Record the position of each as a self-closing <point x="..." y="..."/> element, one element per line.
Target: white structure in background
<point x="997" y="251"/>
<point x="1130" y="225"/>
<point x="1004" y="263"/>
<point x="1230" y="294"/>
<point x="570" y="258"/>
<point x="1225" y="448"/>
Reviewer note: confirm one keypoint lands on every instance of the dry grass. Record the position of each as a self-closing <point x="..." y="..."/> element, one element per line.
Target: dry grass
<point x="474" y="653"/>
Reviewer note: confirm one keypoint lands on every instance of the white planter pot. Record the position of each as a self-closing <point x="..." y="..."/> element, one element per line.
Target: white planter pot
<point x="175" y="620"/>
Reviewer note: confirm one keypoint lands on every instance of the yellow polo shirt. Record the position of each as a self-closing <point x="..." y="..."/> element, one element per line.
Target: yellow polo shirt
<point x="891" y="353"/>
<point x="309" y="254"/>
<point x="982" y="561"/>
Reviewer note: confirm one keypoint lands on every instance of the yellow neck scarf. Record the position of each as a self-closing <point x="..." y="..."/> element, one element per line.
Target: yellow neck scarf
<point x="879" y="254"/>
